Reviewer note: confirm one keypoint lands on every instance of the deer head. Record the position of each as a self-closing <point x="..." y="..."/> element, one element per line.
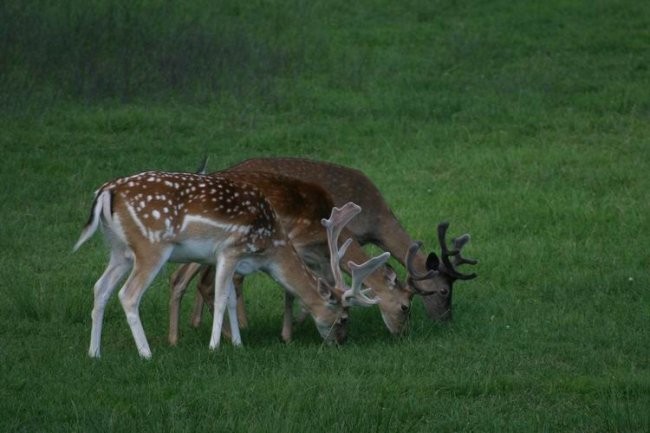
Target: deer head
<point x="435" y="283"/>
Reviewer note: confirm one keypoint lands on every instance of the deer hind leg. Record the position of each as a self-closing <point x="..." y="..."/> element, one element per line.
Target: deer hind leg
<point x="179" y="282"/>
<point x="118" y="266"/>
<point x="144" y="271"/>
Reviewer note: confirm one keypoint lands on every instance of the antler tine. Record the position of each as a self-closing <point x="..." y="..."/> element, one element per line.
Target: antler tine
<point x="413" y="274"/>
<point x="446" y="253"/>
<point x="359" y="273"/>
<point x="337" y="220"/>
<point x="459" y="243"/>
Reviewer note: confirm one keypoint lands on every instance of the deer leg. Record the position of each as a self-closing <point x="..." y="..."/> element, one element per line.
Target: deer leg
<point x="205" y="287"/>
<point x="131" y="293"/>
<point x="206" y="294"/>
<point x="179" y="281"/>
<point x="287" y="325"/>
<point x="225" y="270"/>
<point x="235" y="336"/>
<point x="118" y="265"/>
<point x="238" y="280"/>
<point x="197" y="310"/>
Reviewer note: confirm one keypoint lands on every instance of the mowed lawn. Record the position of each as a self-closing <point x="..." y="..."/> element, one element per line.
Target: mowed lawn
<point x="524" y="124"/>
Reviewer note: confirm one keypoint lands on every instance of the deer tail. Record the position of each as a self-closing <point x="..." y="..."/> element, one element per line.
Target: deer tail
<point x="101" y="203"/>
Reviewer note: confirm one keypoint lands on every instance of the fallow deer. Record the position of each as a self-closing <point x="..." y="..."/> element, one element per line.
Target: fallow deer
<point x="154" y="217"/>
<point x="300" y="207"/>
<point x="379" y="225"/>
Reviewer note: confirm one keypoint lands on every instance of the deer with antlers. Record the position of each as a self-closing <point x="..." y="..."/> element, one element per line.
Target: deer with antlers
<point x="300" y="207"/>
<point x="154" y="217"/>
<point x="427" y="276"/>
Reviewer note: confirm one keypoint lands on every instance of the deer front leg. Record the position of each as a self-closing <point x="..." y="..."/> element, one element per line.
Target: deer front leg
<point x="197" y="311"/>
<point x="235" y="336"/>
<point x="179" y="282"/>
<point x="238" y="280"/>
<point x="225" y="270"/>
<point x="206" y="295"/>
<point x="287" y="324"/>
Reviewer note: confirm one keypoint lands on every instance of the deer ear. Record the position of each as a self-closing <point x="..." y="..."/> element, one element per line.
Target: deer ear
<point x="433" y="263"/>
<point x="390" y="275"/>
<point x="326" y="292"/>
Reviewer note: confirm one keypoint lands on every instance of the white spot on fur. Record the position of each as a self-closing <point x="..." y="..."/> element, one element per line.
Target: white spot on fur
<point x="138" y="223"/>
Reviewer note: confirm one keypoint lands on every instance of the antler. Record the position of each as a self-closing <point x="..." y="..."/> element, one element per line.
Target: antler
<point x="455" y="253"/>
<point x="459" y="243"/>
<point x="413" y="274"/>
<point x="450" y="259"/>
<point x="353" y="295"/>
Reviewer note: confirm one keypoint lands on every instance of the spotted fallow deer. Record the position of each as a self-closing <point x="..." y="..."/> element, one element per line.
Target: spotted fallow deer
<point x="154" y="217"/>
<point x="300" y="207"/>
<point x="429" y="276"/>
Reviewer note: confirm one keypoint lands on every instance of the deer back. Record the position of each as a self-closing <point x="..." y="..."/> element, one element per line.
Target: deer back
<point x="153" y="208"/>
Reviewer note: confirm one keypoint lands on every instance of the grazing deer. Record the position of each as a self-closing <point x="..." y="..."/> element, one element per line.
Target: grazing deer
<point x="300" y="207"/>
<point x="154" y="217"/>
<point x="378" y="225"/>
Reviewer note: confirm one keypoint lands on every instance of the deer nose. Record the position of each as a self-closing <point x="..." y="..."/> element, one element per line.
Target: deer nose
<point x="405" y="308"/>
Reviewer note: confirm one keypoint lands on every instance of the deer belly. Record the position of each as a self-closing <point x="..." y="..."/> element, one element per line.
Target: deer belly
<point x="247" y="266"/>
<point x="194" y="250"/>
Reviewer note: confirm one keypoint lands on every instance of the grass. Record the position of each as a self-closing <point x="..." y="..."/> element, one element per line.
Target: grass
<point x="525" y="124"/>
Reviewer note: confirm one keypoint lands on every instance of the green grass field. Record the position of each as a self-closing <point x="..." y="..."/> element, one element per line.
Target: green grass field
<point x="526" y="124"/>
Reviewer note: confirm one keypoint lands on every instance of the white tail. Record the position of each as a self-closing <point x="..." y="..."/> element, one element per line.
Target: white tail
<point x="154" y="217"/>
<point x="102" y="201"/>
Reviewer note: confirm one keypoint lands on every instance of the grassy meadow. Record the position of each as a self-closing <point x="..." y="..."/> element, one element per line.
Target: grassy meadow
<point x="526" y="124"/>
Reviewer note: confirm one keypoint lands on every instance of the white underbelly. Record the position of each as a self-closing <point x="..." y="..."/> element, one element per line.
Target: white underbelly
<point x="194" y="250"/>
